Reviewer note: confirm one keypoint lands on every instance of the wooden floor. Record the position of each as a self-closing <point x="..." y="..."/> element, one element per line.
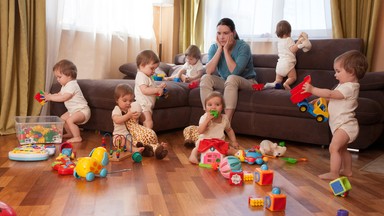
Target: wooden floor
<point x="175" y="187"/>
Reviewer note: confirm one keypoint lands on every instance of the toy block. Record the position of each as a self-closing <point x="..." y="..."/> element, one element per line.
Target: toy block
<point x="275" y="202"/>
<point x="340" y="186"/>
<point x="236" y="177"/>
<point x="248" y="176"/>
<point x="263" y="177"/>
<point x="255" y="201"/>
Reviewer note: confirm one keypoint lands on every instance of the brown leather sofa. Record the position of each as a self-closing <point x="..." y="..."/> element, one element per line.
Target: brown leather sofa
<point x="267" y="114"/>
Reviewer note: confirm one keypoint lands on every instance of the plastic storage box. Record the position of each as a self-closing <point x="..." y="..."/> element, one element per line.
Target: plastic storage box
<point x="39" y="129"/>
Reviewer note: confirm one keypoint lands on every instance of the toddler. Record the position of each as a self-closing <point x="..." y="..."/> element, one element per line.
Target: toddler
<point x="125" y="120"/>
<point x="349" y="67"/>
<point x="145" y="88"/>
<point x="214" y="126"/>
<point x="78" y="110"/>
<point x="287" y="49"/>
<point x="192" y="70"/>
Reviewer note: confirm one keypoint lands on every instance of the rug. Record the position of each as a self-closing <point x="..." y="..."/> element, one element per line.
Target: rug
<point x="375" y="166"/>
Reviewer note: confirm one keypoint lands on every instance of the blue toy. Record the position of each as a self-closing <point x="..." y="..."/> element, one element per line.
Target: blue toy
<point x="340" y="186"/>
<point x="253" y="157"/>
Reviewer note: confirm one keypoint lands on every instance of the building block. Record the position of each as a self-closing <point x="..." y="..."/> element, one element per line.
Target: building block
<point x="263" y="177"/>
<point x="255" y="201"/>
<point x="236" y="177"/>
<point x="275" y="201"/>
<point x="340" y="186"/>
<point x="248" y="176"/>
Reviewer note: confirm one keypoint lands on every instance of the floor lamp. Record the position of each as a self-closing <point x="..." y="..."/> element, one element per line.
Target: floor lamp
<point x="161" y="4"/>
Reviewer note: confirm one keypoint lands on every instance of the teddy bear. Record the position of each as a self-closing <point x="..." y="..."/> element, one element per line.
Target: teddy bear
<point x="269" y="148"/>
<point x="305" y="44"/>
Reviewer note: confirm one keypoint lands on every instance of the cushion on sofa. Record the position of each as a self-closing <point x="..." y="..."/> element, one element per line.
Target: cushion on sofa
<point x="130" y="69"/>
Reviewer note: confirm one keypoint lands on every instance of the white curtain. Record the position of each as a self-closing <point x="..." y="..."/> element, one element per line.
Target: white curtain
<point x="256" y="20"/>
<point x="99" y="35"/>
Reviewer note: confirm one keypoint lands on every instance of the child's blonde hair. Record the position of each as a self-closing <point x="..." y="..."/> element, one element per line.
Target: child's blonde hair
<point x="146" y="57"/>
<point x="354" y="62"/>
<point x="215" y="94"/>
<point x="193" y="51"/>
<point x="283" y="28"/>
<point x="66" y="67"/>
<point x="122" y="90"/>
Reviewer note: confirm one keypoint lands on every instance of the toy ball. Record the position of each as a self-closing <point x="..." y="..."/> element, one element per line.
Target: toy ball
<point x="6" y="210"/>
<point x="259" y="161"/>
<point x="137" y="157"/>
<point x="264" y="167"/>
<point x="135" y="107"/>
<point x="276" y="190"/>
<point x="265" y="159"/>
<point x="229" y="164"/>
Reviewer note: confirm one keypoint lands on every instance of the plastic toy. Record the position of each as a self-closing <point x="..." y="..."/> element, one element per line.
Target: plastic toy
<point x="215" y="113"/>
<point x="269" y="148"/>
<point x="248" y="176"/>
<point x="40" y="97"/>
<point x="89" y="167"/>
<point x="258" y="87"/>
<point x="340" y="186"/>
<point x="263" y="176"/>
<point x="193" y="84"/>
<point x="31" y="152"/>
<point x="228" y="164"/>
<point x="6" y="210"/>
<point x="275" y="201"/>
<point x="164" y="95"/>
<point x="214" y="166"/>
<point x="294" y="160"/>
<point x="342" y="212"/>
<point x="297" y="93"/>
<point x="158" y="77"/>
<point x="319" y="110"/>
<point x="66" y="148"/>
<point x="176" y="79"/>
<point x="252" y="156"/>
<point x="236" y="177"/>
<point x="212" y="150"/>
<point x="255" y="201"/>
<point x="63" y="164"/>
<point x="241" y="155"/>
<point x="39" y="134"/>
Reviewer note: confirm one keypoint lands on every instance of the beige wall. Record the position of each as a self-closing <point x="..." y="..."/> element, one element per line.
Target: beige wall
<point x="378" y="53"/>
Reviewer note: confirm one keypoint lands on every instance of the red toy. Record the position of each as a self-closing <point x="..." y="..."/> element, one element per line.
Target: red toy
<point x="6" y="210"/>
<point x="236" y="177"/>
<point x="297" y="94"/>
<point x="275" y="201"/>
<point x="40" y="97"/>
<point x="193" y="85"/>
<point x="258" y="87"/>
<point x="263" y="176"/>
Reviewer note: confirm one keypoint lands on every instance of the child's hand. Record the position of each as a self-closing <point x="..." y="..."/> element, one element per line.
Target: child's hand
<point x="159" y="91"/>
<point x="307" y="87"/>
<point x="162" y="85"/>
<point x="47" y="96"/>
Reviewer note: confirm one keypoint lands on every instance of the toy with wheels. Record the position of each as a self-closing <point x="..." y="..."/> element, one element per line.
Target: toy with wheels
<point x="228" y="164"/>
<point x="89" y="167"/>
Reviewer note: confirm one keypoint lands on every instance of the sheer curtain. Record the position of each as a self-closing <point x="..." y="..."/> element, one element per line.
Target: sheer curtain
<point x="100" y="35"/>
<point x="256" y="20"/>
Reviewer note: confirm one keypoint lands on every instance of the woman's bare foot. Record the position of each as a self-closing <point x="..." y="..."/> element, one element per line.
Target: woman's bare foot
<point x="193" y="159"/>
<point x="75" y="139"/>
<point x="329" y="176"/>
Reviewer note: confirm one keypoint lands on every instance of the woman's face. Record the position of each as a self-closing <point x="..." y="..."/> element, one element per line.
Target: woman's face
<point x="223" y="33"/>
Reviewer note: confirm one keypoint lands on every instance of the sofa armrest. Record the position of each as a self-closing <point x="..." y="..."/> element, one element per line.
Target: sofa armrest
<point x="372" y="81"/>
<point x="129" y="69"/>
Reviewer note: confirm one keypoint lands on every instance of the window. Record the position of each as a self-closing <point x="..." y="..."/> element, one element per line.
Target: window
<point x="109" y="17"/>
<point x="256" y="20"/>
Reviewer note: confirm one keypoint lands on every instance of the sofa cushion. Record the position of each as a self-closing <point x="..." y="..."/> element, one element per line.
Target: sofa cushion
<point x="130" y="69"/>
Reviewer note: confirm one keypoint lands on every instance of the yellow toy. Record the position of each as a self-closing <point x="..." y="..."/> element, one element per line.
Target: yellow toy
<point x="89" y="167"/>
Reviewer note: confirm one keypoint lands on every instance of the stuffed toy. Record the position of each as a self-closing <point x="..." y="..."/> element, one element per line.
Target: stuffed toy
<point x="305" y="44"/>
<point x="269" y="148"/>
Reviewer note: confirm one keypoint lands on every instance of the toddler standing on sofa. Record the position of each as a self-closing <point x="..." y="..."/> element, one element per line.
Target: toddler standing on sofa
<point x="193" y="68"/>
<point x="349" y="67"/>
<point x="125" y="117"/>
<point x="287" y="49"/>
<point x="78" y="110"/>
<point x="213" y="125"/>
<point x="145" y="88"/>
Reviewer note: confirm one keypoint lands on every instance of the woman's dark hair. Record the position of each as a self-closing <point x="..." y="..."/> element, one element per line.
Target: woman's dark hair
<point x="228" y="22"/>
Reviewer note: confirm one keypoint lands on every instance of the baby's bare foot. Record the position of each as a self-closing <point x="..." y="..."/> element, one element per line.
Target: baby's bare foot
<point x="329" y="176"/>
<point x="75" y="139"/>
<point x="286" y="86"/>
<point x="193" y="159"/>
<point x="140" y="149"/>
<point x="346" y="173"/>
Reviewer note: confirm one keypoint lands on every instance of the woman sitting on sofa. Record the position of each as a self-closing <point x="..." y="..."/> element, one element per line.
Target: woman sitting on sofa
<point x="232" y="58"/>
